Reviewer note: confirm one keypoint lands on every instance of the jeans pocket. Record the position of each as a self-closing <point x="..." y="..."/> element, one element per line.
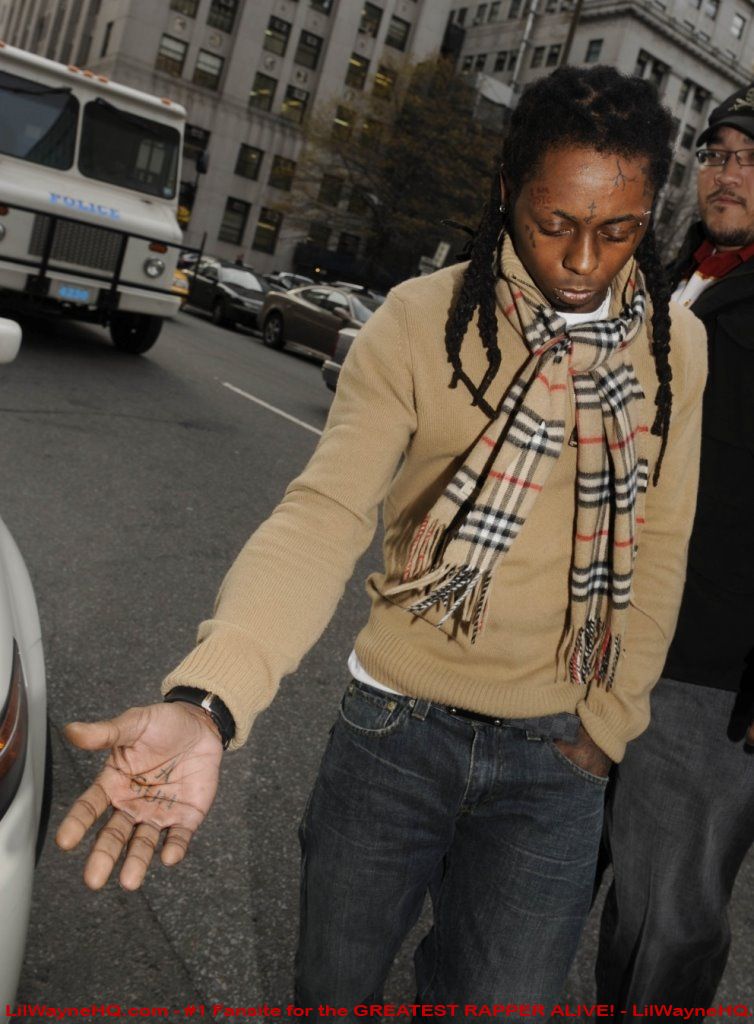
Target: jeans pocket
<point x="582" y="773"/>
<point x="371" y="713"/>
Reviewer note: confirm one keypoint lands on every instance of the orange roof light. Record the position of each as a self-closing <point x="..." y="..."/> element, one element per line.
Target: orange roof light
<point x="74" y="69"/>
<point x="157" y="247"/>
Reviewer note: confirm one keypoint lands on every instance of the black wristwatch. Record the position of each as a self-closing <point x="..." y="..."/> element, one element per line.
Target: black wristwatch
<point x="212" y="704"/>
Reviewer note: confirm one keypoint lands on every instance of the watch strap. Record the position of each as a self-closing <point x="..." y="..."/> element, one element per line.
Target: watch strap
<point x="211" y="703"/>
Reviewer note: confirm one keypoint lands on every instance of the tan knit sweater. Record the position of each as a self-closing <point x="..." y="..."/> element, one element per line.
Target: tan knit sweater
<point x="393" y="402"/>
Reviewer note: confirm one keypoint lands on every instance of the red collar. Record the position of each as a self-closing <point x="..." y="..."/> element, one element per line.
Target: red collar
<point x="710" y="263"/>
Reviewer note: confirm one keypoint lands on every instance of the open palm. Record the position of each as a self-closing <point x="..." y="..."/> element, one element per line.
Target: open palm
<point x="161" y="776"/>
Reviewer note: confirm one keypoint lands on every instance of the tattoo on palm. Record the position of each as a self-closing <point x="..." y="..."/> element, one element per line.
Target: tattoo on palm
<point x="150" y="788"/>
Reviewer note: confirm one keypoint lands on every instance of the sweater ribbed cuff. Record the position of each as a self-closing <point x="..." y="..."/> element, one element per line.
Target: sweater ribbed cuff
<point x="611" y="723"/>
<point x="213" y="665"/>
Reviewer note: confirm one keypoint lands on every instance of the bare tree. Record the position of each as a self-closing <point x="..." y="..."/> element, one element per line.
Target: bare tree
<point x="388" y="166"/>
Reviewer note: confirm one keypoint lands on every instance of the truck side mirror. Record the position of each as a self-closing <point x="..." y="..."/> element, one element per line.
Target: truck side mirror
<point x="202" y="162"/>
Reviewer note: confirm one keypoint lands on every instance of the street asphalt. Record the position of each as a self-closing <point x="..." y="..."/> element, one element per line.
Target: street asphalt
<point x="130" y="484"/>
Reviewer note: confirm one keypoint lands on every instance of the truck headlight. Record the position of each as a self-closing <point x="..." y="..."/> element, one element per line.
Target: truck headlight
<point x="154" y="267"/>
<point x="14" y="730"/>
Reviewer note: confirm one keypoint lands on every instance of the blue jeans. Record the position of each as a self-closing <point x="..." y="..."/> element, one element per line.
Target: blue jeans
<point x="493" y="820"/>
<point x="679" y="822"/>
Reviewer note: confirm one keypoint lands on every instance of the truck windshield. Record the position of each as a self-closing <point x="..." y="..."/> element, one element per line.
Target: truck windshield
<point x="127" y="150"/>
<point x="37" y="122"/>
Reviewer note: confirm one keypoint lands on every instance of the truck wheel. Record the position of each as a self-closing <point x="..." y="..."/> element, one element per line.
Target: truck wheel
<point x="134" y="332"/>
<point x="272" y="332"/>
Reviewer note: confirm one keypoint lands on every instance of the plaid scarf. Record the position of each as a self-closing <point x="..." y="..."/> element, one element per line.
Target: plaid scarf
<point x="463" y="539"/>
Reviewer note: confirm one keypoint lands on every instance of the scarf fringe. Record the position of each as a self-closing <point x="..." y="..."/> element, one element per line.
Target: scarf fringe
<point x="593" y="654"/>
<point x="424" y="548"/>
<point x="455" y="588"/>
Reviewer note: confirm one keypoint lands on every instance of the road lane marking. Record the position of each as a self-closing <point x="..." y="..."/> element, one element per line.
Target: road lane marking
<point x="272" y="408"/>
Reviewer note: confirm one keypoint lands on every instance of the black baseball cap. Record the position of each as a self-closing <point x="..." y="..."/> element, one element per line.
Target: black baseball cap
<point x="735" y="112"/>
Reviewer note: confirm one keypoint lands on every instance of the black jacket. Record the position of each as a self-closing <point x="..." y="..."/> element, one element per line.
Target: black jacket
<point x="715" y="633"/>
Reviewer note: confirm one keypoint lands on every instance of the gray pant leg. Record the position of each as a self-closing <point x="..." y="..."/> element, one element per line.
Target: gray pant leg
<point x="679" y="822"/>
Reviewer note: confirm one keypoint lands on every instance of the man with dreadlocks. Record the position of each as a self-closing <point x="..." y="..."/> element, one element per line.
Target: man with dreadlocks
<point x="681" y="816"/>
<point x="532" y="580"/>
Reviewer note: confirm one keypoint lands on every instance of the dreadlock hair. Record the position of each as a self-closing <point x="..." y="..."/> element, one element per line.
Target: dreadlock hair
<point x="592" y="108"/>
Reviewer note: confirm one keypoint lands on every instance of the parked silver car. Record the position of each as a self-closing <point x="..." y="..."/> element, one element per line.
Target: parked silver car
<point x="313" y="316"/>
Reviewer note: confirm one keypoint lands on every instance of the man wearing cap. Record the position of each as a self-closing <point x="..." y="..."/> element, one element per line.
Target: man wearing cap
<point x="681" y="816"/>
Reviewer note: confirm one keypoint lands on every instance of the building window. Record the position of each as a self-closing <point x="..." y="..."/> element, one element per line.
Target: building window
<point x="371" y="18"/>
<point x="357" y="201"/>
<point x="234" y="221"/>
<point x="687" y="139"/>
<point x="323" y="6"/>
<point x="106" y="38"/>
<point x="308" y="50"/>
<point x="676" y="174"/>
<point x="551" y="6"/>
<point x="593" y="51"/>
<point x="171" y="56"/>
<point x="342" y="125"/>
<point x="683" y="95"/>
<point x="222" y="14"/>
<point x="319" y="234"/>
<point x="480" y="15"/>
<point x="276" y="36"/>
<point x="187" y="7"/>
<point x="294" y="104"/>
<point x="331" y="190"/>
<point x="209" y="68"/>
<point x="501" y="60"/>
<point x="397" y="33"/>
<point x="371" y="131"/>
<point x="553" y="55"/>
<point x="468" y="63"/>
<point x="700" y="98"/>
<point x="268" y="229"/>
<point x="494" y="12"/>
<point x="358" y="68"/>
<point x="737" y="26"/>
<point x="262" y="92"/>
<point x="249" y="161"/>
<point x="514" y="11"/>
<point x="481" y="60"/>
<point x="195" y="142"/>
<point x="348" y="244"/>
<point x="711" y="7"/>
<point x="281" y="175"/>
<point x="461" y="15"/>
<point x="384" y="82"/>
<point x="538" y="57"/>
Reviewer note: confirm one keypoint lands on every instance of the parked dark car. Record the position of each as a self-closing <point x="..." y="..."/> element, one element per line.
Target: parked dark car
<point x="233" y="294"/>
<point x="312" y="316"/>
